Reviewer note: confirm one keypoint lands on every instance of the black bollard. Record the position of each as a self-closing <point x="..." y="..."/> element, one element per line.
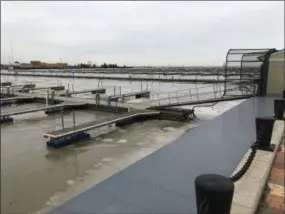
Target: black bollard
<point x="283" y="94"/>
<point x="279" y="107"/>
<point x="214" y="194"/>
<point x="264" y="128"/>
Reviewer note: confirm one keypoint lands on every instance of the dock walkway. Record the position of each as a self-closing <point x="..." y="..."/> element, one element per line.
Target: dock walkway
<point x="131" y="94"/>
<point x="59" y="106"/>
<point x="5" y="84"/>
<point x="141" y="106"/>
<point x="96" y="124"/>
<point x="15" y="86"/>
<point x="56" y="88"/>
<point x="93" y="91"/>
<point x="15" y="99"/>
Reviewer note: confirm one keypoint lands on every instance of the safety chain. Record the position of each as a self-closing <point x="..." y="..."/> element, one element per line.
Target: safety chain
<point x="237" y="176"/>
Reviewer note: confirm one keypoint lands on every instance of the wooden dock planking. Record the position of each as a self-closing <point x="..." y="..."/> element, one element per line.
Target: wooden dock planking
<point x="137" y="94"/>
<point x="93" y="91"/>
<point x="96" y="124"/>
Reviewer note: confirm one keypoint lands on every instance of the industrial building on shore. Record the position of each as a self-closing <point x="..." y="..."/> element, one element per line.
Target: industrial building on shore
<point x="35" y="64"/>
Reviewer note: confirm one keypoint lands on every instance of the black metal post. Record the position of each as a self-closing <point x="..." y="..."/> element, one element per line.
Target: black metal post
<point x="214" y="194"/>
<point x="279" y="107"/>
<point x="73" y="114"/>
<point x="264" y="128"/>
<point x="62" y="118"/>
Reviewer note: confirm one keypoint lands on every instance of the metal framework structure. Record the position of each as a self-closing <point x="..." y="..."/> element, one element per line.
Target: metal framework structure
<point x="251" y="65"/>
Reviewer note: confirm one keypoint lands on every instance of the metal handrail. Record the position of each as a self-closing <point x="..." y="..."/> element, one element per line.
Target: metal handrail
<point x="216" y="91"/>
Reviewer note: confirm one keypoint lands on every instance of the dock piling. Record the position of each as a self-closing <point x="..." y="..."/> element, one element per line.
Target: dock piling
<point x="8" y="90"/>
<point x="177" y="97"/>
<point x="62" y="119"/>
<point x="197" y="92"/>
<point x="47" y="96"/>
<point x="214" y="91"/>
<point x="52" y="96"/>
<point x="73" y="114"/>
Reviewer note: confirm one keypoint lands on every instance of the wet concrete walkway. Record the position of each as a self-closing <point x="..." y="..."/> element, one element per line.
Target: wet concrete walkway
<point x="273" y="199"/>
<point x="163" y="182"/>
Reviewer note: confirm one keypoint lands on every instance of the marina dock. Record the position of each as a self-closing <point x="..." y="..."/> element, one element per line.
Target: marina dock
<point x="117" y="119"/>
<point x="55" y="88"/>
<point x="93" y="91"/>
<point x="131" y="94"/>
<point x="60" y="106"/>
<point x="21" y="85"/>
<point x="12" y="100"/>
<point x="5" y="84"/>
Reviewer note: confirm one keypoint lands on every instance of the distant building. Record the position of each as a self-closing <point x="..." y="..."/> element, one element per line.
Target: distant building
<point x="41" y="65"/>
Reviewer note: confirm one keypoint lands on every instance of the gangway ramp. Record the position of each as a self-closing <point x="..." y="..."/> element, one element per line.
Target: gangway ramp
<point x="195" y="96"/>
<point x="117" y="119"/>
<point x="214" y="100"/>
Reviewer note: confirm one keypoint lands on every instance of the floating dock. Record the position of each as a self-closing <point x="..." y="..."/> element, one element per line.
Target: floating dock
<point x="5" y="83"/>
<point x="93" y="91"/>
<point x="132" y="94"/>
<point x="6" y="117"/>
<point x="63" y="136"/>
<point x="14" y="86"/>
<point x="26" y="88"/>
<point x="177" y="114"/>
<point x="12" y="100"/>
<point x="55" y="88"/>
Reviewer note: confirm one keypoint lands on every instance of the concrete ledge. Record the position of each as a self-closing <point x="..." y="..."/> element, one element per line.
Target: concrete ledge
<point x="249" y="189"/>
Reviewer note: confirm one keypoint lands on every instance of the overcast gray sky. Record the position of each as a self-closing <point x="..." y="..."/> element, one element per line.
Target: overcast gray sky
<point x="138" y="33"/>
